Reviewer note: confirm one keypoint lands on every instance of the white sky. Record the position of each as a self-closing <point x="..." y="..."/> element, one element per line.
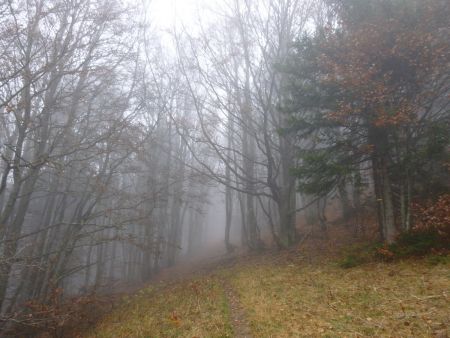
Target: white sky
<point x="164" y="13"/>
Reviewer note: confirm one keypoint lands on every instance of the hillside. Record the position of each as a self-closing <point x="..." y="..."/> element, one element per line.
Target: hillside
<point x="289" y="295"/>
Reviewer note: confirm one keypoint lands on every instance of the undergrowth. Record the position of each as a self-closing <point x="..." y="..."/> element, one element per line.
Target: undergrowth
<point x="429" y="236"/>
<point x="412" y="244"/>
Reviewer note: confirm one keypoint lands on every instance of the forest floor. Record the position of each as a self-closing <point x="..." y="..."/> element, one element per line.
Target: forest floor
<point x="287" y="294"/>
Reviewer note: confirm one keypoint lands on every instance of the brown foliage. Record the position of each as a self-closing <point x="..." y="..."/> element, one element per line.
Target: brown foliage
<point x="58" y="317"/>
<point x="433" y="215"/>
<point x="389" y="66"/>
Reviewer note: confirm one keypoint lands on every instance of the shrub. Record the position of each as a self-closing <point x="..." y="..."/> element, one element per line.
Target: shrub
<point x="416" y="243"/>
<point x="359" y="254"/>
<point x="430" y="235"/>
<point x="434" y="217"/>
<point x="350" y="261"/>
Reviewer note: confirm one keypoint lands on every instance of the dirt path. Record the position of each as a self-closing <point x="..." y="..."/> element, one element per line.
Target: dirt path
<point x="237" y="314"/>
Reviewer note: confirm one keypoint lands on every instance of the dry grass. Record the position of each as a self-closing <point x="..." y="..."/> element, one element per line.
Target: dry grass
<point x="405" y="299"/>
<point x="285" y="296"/>
<point x="194" y="308"/>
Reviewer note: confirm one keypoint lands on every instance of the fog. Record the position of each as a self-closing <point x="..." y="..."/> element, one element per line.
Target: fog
<point x="138" y="136"/>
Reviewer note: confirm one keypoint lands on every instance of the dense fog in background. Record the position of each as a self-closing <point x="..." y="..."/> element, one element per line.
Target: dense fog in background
<point x="138" y="135"/>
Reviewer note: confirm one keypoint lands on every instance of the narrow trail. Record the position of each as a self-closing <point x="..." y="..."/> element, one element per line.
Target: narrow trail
<point x="204" y="264"/>
<point x="237" y="313"/>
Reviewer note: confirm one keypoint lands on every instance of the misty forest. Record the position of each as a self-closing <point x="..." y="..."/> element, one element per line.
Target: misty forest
<point x="224" y="168"/>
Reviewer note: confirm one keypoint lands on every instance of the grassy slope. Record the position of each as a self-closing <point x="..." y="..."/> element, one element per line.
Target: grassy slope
<point x="291" y="298"/>
<point x="396" y="300"/>
<point x="194" y="308"/>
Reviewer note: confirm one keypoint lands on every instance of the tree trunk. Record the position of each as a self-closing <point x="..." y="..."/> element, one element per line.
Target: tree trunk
<point x="345" y="201"/>
<point x="287" y="203"/>
<point x="382" y="183"/>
